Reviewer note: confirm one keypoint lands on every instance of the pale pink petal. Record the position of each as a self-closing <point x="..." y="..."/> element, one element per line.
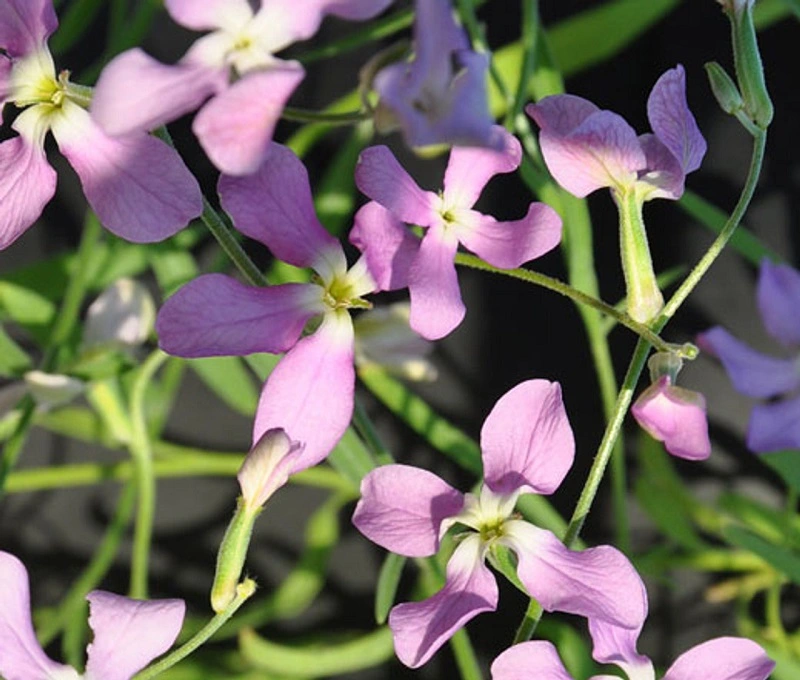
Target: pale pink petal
<point x="436" y="306"/>
<point x="537" y="660"/>
<point x="129" y="634"/>
<point x="137" y="185"/>
<point x="612" y="644"/>
<point x="381" y="177"/>
<point x="215" y="315"/>
<point x="420" y="628"/>
<point x="310" y="392"/>
<point x="25" y="25"/>
<point x="595" y="583"/>
<point x="389" y="247"/>
<point x="673" y="123"/>
<point x="136" y="93"/>
<point x="560" y="114"/>
<point x="235" y="128"/>
<point x="778" y="297"/>
<point x="205" y="15"/>
<point x="603" y="151"/>
<point x="470" y="168"/>
<point x="725" y="658"/>
<point x="511" y="244"/>
<point x="21" y="656"/>
<point x="274" y="206"/>
<point x="774" y="427"/>
<point x="526" y="440"/>
<point x="663" y="170"/>
<point x="27" y="182"/>
<point x="5" y="85"/>
<point x="675" y="416"/>
<point x="402" y="508"/>
<point x="752" y="373"/>
<point x="267" y="467"/>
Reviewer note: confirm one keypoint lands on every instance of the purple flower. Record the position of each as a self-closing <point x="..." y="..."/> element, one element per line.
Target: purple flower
<point x="725" y="658"/>
<point x="440" y="96"/>
<point x="233" y="67"/>
<point x="527" y="446"/>
<point x="587" y="148"/>
<point x="128" y="634"/>
<point x="773" y="426"/>
<point x="138" y="186"/>
<point x="309" y="394"/>
<point x="397" y="258"/>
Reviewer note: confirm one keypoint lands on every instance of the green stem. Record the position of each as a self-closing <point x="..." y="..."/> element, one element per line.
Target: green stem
<point x="566" y="290"/>
<point x="528" y="624"/>
<point x="307" y="116"/>
<point x="243" y="592"/>
<point x="466" y="659"/>
<point x="232" y="555"/>
<point x="530" y="31"/>
<point x="230" y="244"/>
<point x="142" y="454"/>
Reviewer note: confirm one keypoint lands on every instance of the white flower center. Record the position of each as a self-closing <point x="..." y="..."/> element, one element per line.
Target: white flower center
<point x="486" y="513"/>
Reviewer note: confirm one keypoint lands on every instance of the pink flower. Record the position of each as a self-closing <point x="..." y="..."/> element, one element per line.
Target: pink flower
<point x="527" y="446"/>
<point x="128" y="634"/>
<point x="138" y="186"/>
<point x="725" y="658"/>
<point x="309" y="394"/>
<point x="773" y="426"/>
<point x="440" y="96"/>
<point x="233" y="67"/>
<point x="397" y="258"/>
<point x="587" y="148"/>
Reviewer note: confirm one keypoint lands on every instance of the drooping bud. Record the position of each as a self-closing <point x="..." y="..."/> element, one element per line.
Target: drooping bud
<point x="50" y="390"/>
<point x="122" y="316"/>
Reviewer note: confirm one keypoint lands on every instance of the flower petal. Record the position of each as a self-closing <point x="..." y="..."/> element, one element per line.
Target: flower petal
<point x="381" y="177"/>
<point x="675" y="416"/>
<point x="612" y="644"/>
<point x="267" y="467"/>
<point x="129" y="634"/>
<point x="664" y="172"/>
<point x="673" y="122"/>
<point x="526" y="440"/>
<point x="137" y="185"/>
<point x="21" y="656"/>
<point x="310" y="392"/>
<point x="774" y="427"/>
<point x="209" y="14"/>
<point x="436" y="306"/>
<point x="537" y="660"/>
<point x="420" y="628"/>
<point x="402" y="522"/>
<point x="389" y="247"/>
<point x="235" y="128"/>
<point x="603" y="151"/>
<point x="560" y="114"/>
<point x="596" y="583"/>
<point x="778" y="297"/>
<point x="470" y="169"/>
<point x="725" y="658"/>
<point x="353" y="10"/>
<point x="752" y="373"/>
<point x="274" y="206"/>
<point x="510" y="244"/>
<point x="215" y="315"/>
<point x="25" y="25"/>
<point x="27" y="182"/>
<point x="136" y="93"/>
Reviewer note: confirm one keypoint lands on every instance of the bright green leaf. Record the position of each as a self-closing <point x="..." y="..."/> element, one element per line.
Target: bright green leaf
<point x="784" y="560"/>
<point x="228" y="378"/>
<point x="13" y="359"/>
<point x="388" y="580"/>
<point x="786" y="464"/>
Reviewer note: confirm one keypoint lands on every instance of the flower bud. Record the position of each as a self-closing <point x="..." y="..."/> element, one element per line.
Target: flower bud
<point x="50" y="390"/>
<point x="123" y="316"/>
<point x="724" y="89"/>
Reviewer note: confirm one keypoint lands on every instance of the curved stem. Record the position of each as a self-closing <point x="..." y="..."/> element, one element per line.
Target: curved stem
<point x="530" y="32"/>
<point x="244" y="591"/>
<point x="528" y="625"/>
<point x="142" y="455"/>
<point x="308" y="116"/>
<point x="572" y="293"/>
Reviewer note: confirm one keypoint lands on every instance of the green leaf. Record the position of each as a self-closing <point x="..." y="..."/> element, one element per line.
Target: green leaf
<point x="388" y="580"/>
<point x="74" y="23"/>
<point x="318" y="659"/>
<point x="351" y="458"/>
<point x="173" y="266"/>
<point x="228" y="378"/>
<point x="784" y="560"/>
<point x="770" y="524"/>
<point x="743" y="241"/>
<point x="786" y="464"/>
<point x="768" y="12"/>
<point x="14" y="361"/>
<point x="27" y="308"/>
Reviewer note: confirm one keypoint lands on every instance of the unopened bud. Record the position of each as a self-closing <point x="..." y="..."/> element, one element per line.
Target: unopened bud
<point x="725" y="91"/>
<point x="123" y="315"/>
<point x="50" y="390"/>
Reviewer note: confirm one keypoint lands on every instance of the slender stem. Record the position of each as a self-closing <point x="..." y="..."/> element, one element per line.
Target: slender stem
<point x="142" y="455"/>
<point x="244" y="591"/>
<point x="369" y="434"/>
<point x="307" y="116"/>
<point x="230" y="244"/>
<point x="466" y="659"/>
<point x="530" y="26"/>
<point x="528" y="624"/>
<point x="572" y="293"/>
